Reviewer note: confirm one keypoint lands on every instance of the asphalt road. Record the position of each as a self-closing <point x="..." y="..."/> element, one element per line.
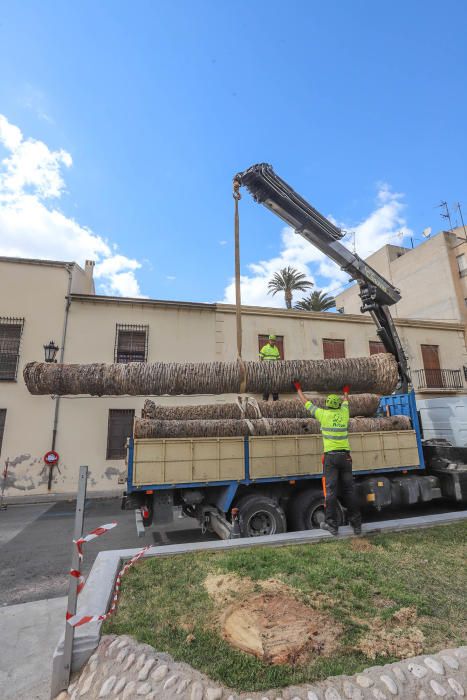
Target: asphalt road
<point x="36" y="542"/>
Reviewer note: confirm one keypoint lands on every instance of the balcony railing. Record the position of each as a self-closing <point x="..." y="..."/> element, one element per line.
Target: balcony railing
<point x="438" y="378"/>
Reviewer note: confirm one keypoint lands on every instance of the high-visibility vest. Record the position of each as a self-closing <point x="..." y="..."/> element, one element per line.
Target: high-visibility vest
<point x="268" y="352"/>
<point x="334" y="425"/>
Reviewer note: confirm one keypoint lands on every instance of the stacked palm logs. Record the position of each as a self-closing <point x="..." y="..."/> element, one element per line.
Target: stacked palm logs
<point x="377" y="374"/>
<point x="359" y="405"/>
<point x="153" y="428"/>
<point x="250" y="417"/>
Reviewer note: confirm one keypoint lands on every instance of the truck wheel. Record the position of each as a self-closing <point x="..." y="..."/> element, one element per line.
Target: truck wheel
<point x="306" y="511"/>
<point x="260" y="515"/>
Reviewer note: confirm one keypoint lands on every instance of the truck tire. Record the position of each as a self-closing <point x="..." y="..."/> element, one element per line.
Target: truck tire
<point x="306" y="511"/>
<point x="260" y="515"/>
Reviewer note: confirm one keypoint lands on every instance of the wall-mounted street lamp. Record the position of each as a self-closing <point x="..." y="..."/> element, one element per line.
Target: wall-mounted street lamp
<point x="50" y="352"/>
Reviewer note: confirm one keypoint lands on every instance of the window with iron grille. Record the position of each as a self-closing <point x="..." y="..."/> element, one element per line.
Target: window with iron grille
<point x="2" y="425"/>
<point x="131" y="343"/>
<point x="119" y="430"/>
<point x="333" y="348"/>
<point x="11" y="330"/>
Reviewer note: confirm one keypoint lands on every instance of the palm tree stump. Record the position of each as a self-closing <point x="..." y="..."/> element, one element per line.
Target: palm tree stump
<point x="376" y="374"/>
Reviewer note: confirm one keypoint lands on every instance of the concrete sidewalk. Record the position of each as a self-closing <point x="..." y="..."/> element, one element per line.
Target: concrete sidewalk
<point x="28" y="636"/>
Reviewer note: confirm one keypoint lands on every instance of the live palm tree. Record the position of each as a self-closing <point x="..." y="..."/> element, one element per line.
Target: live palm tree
<point x="288" y="280"/>
<point x="316" y="301"/>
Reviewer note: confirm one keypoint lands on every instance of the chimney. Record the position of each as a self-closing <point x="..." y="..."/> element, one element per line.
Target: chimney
<point x="89" y="272"/>
<point x="89" y="268"/>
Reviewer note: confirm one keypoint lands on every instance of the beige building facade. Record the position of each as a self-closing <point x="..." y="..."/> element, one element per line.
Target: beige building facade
<point x="432" y="278"/>
<point x="56" y="301"/>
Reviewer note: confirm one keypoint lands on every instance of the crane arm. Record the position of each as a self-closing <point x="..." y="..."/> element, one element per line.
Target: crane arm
<point x="376" y="292"/>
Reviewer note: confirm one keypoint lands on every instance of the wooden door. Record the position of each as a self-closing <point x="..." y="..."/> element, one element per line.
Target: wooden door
<point x="433" y="374"/>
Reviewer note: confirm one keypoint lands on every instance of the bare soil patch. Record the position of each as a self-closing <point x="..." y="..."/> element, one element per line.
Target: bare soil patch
<point x="224" y="588"/>
<point x="395" y="637"/>
<point x="361" y="545"/>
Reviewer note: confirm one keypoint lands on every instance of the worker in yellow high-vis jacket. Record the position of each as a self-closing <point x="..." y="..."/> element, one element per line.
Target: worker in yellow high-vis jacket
<point x="270" y="353"/>
<point x="337" y="463"/>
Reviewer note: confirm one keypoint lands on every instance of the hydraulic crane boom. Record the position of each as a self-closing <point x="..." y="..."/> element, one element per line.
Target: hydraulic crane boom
<point x="376" y="292"/>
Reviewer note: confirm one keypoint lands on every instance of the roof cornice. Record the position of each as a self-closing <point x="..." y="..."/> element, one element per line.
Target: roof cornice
<point x="263" y="311"/>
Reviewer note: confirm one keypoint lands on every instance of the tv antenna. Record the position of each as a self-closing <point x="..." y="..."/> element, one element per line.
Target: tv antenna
<point x="446" y="214"/>
<point x="458" y="207"/>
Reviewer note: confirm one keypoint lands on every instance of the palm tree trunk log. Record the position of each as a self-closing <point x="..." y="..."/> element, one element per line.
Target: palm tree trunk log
<point x="359" y="405"/>
<point x="375" y="374"/>
<point x="147" y="428"/>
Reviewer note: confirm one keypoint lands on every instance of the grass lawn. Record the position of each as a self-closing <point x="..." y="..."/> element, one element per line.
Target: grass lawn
<point x="389" y="596"/>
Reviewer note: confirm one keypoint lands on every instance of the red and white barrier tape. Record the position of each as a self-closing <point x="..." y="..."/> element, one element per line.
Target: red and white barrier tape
<point x="92" y="535"/>
<point x="80" y="619"/>
<point x="75" y="573"/>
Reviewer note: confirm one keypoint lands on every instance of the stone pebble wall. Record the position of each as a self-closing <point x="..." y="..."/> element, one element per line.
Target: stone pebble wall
<point x="122" y="669"/>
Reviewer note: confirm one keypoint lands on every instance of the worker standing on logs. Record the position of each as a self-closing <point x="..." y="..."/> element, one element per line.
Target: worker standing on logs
<point x="337" y="462"/>
<point x="270" y="353"/>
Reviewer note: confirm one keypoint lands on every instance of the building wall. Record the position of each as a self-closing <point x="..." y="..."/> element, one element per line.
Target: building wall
<point x="177" y="332"/>
<point x="35" y="292"/>
<point x="427" y="277"/>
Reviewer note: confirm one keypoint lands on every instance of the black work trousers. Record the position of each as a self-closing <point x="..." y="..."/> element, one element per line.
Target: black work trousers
<point x="275" y="397"/>
<point x="339" y="483"/>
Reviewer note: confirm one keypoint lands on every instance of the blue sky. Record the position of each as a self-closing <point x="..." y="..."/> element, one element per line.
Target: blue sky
<point x="123" y="124"/>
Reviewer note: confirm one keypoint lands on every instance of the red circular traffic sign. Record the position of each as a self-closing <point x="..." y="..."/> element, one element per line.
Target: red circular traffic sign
<point x="51" y="457"/>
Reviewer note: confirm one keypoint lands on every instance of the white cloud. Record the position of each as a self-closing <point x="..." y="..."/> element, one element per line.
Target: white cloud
<point x="32" y="227"/>
<point x="170" y="277"/>
<point x="380" y="227"/>
<point x="222" y="242"/>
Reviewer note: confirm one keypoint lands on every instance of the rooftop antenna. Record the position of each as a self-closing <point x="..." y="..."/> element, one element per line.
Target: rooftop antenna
<point x="458" y="207"/>
<point x="445" y="213"/>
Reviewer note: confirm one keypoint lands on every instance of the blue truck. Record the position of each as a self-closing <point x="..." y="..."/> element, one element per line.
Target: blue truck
<point x="273" y="484"/>
<point x="265" y="485"/>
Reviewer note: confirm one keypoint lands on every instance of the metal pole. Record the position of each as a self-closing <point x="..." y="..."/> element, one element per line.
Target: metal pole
<point x="73" y="586"/>
<point x="62" y="353"/>
<point x="238" y="298"/>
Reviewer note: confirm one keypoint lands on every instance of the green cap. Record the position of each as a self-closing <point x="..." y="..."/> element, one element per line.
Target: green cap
<point x="333" y="401"/>
<point x="272" y="337"/>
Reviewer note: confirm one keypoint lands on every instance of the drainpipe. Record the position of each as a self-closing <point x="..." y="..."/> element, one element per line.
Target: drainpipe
<point x="62" y="353"/>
